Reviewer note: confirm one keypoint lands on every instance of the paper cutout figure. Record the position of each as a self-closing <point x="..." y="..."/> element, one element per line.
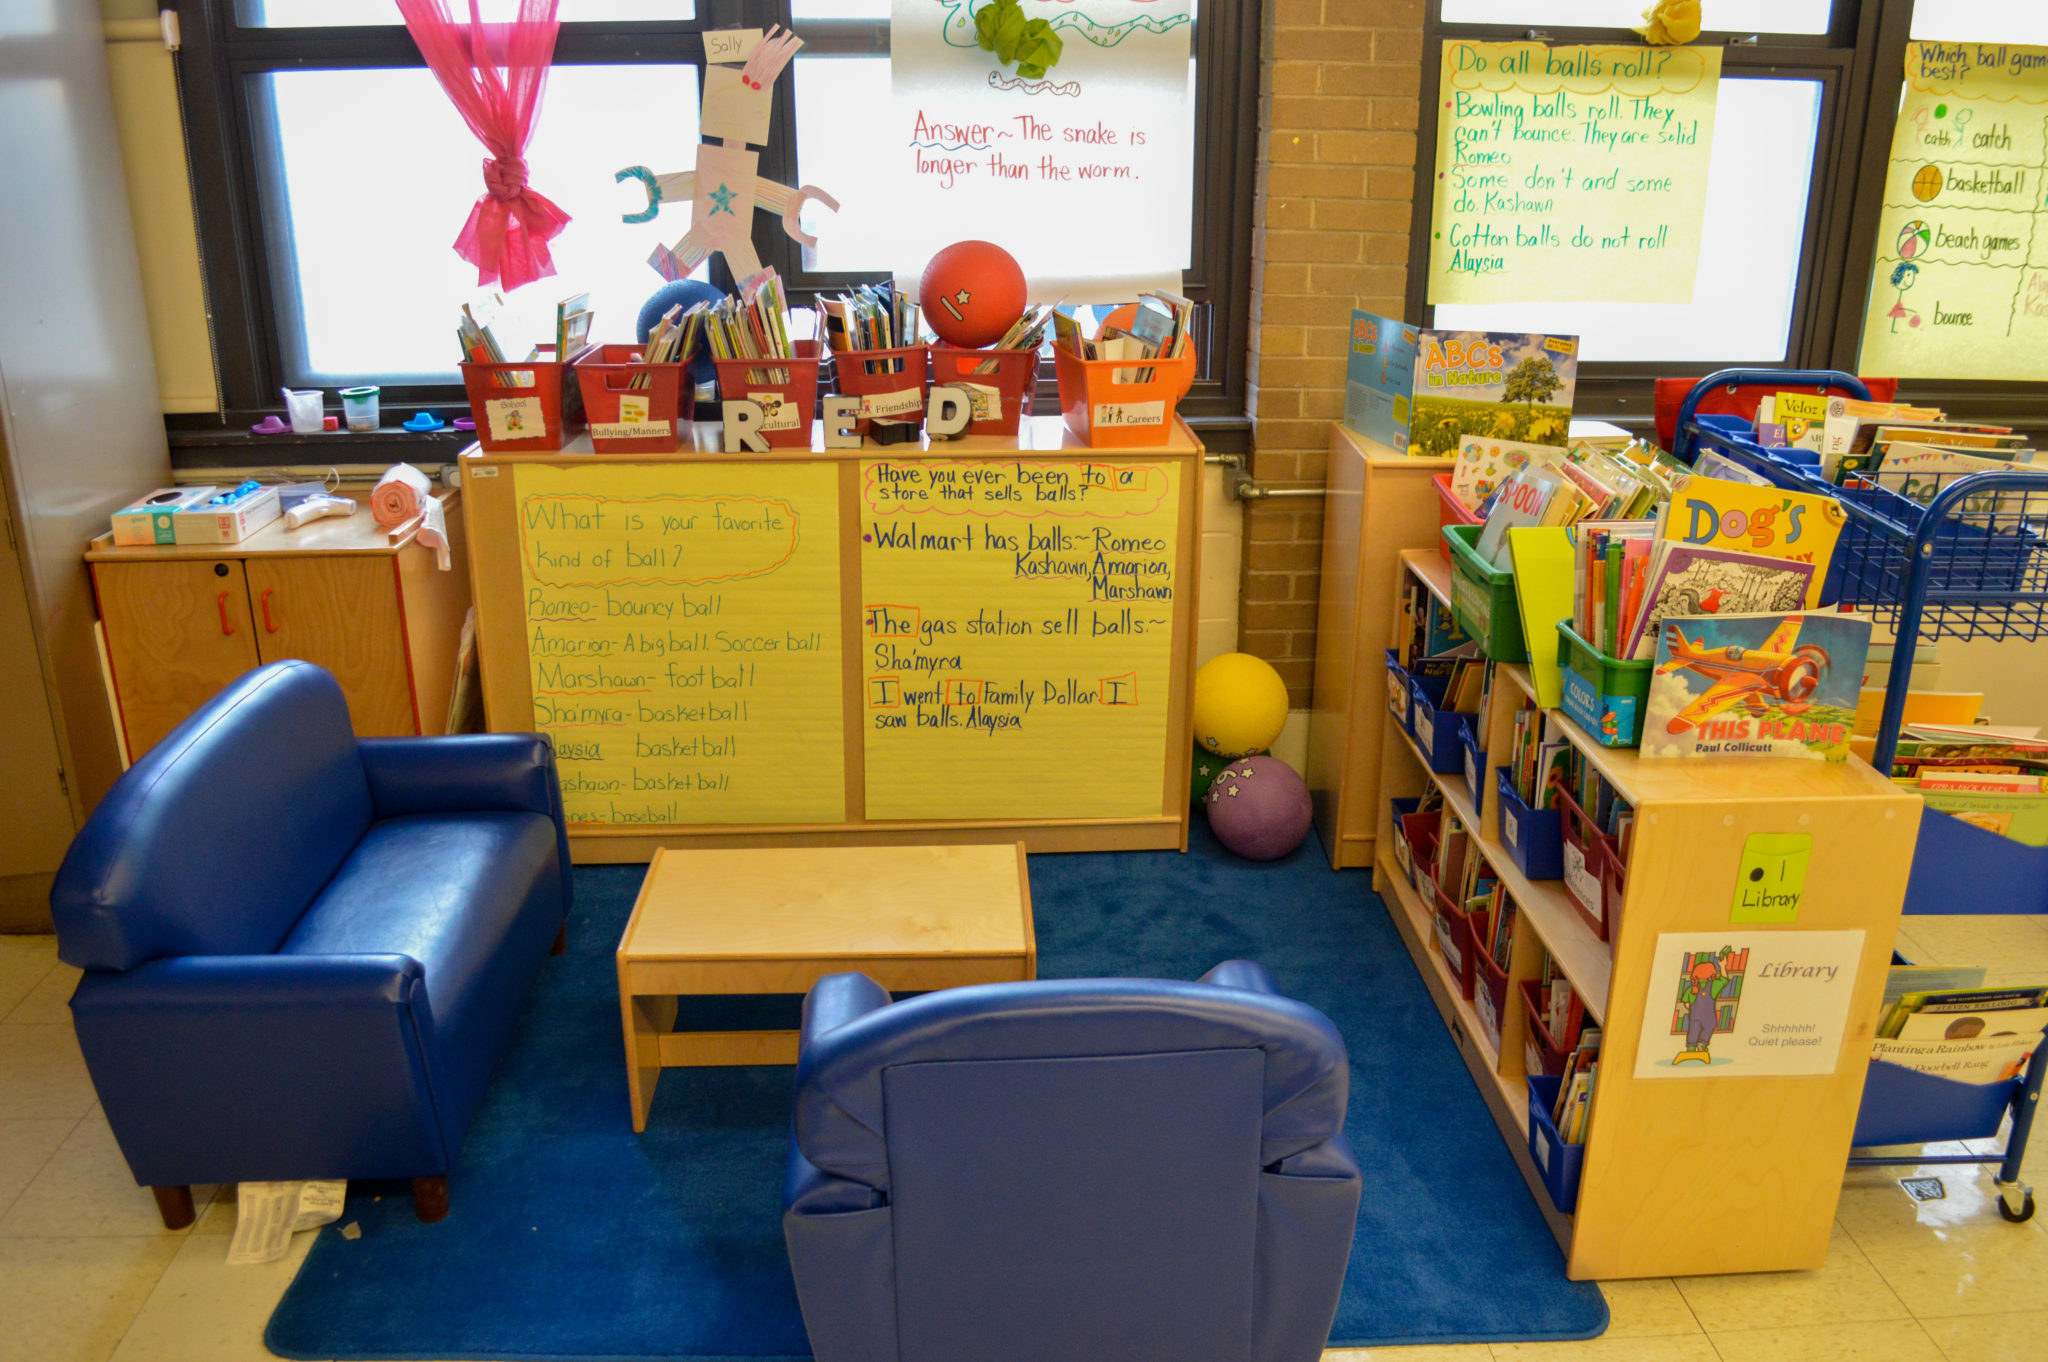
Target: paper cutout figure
<point x="725" y="187"/>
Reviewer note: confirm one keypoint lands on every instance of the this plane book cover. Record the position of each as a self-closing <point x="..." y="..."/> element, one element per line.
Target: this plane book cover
<point x="1764" y="685"/>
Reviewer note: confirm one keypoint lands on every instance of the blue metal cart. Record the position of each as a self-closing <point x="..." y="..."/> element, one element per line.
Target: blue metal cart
<point x="1964" y="557"/>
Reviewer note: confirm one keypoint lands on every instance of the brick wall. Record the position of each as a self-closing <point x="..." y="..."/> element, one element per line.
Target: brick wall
<point x="1338" y="103"/>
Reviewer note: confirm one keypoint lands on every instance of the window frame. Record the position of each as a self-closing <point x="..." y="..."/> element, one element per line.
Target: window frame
<point x="243" y="315"/>
<point x="1860" y="64"/>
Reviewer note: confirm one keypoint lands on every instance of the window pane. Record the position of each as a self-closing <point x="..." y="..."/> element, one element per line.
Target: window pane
<point x="1718" y="16"/>
<point x="2003" y="21"/>
<point x="1757" y="177"/>
<point x="364" y="268"/>
<point x="363" y="13"/>
<point x="842" y="156"/>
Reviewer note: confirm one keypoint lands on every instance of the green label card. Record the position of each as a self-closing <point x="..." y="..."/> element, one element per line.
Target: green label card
<point x="1771" y="876"/>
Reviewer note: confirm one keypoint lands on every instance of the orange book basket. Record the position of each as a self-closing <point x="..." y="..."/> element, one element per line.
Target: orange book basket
<point x="612" y="375"/>
<point x="793" y="381"/>
<point x="1106" y="414"/>
<point x="1014" y="377"/>
<point x="523" y="407"/>
<point x="874" y="373"/>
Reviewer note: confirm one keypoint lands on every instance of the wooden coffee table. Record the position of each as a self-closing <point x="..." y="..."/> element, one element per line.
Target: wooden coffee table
<point x="776" y="920"/>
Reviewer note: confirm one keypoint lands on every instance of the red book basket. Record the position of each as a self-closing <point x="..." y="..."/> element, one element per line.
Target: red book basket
<point x="523" y="407"/>
<point x="875" y="373"/>
<point x="657" y="398"/>
<point x="1014" y="377"/>
<point x="781" y="382"/>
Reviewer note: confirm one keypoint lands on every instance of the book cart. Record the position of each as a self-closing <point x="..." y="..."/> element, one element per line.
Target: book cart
<point x="1971" y="562"/>
<point x="1736" y="1174"/>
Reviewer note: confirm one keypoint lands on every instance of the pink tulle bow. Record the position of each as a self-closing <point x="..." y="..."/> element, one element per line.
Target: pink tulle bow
<point x="510" y="225"/>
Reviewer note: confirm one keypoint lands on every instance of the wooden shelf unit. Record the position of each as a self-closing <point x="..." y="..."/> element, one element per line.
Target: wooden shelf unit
<point x="1681" y="1176"/>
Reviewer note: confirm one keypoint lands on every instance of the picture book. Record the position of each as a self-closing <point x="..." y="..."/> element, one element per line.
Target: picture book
<point x="1989" y="1060"/>
<point x="1802" y="415"/>
<point x="1999" y="1008"/>
<point x="2011" y="804"/>
<point x="1379" y="378"/>
<point x="1684" y="579"/>
<point x="1484" y="463"/>
<point x="1798" y="527"/>
<point x="1757" y="685"/>
<point x="1506" y="386"/>
<point x="2022" y="1023"/>
<point x="1524" y="500"/>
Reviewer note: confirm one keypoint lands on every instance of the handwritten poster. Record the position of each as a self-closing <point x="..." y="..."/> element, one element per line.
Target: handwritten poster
<point x="1570" y="174"/>
<point x="1096" y="149"/>
<point x="1017" y="624"/>
<point x="1747" y="1003"/>
<point x="683" y="631"/>
<point x="1959" y="287"/>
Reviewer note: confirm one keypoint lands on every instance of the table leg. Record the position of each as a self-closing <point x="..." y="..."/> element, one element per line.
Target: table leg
<point x="648" y="1019"/>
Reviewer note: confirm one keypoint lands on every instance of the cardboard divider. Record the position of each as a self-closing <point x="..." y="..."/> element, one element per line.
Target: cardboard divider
<point x="877" y="374"/>
<point x="528" y="407"/>
<point x="1014" y="379"/>
<point x="633" y="407"/>
<point x="782" y="382"/>
<point x="1106" y="414"/>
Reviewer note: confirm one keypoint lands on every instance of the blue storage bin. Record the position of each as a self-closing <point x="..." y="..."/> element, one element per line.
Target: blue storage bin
<point x="1437" y="732"/>
<point x="1534" y="837"/>
<point x="1475" y="763"/>
<point x="1961" y="868"/>
<point x="1402" y="856"/>
<point x="1558" y="1163"/>
<point x="1904" y="1106"/>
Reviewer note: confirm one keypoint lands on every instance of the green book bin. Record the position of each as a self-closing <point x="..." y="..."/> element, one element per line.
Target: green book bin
<point x="1603" y="695"/>
<point x="1483" y="598"/>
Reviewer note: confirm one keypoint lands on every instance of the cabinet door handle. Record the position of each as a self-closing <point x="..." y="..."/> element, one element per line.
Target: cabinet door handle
<point x="222" y="602"/>
<point x="269" y="625"/>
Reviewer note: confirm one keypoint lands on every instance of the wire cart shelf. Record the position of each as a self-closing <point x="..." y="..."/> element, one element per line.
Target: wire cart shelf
<point x="1927" y="556"/>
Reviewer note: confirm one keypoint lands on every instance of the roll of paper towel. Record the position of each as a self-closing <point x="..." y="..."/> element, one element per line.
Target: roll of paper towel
<point x="402" y="493"/>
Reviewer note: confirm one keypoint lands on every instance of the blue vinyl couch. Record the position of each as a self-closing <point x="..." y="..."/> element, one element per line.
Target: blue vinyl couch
<point x="1078" y="1169"/>
<point x="304" y="952"/>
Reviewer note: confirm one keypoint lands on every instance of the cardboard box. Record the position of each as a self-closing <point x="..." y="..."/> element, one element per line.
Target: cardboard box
<point x="227" y="524"/>
<point x="148" y="520"/>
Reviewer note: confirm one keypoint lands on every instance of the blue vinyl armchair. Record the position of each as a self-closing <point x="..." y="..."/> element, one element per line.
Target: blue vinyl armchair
<point x="1084" y="1169"/>
<point x="305" y="952"/>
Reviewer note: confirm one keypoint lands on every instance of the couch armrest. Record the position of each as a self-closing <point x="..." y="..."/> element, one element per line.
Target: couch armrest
<point x="265" y="1068"/>
<point x="836" y="1000"/>
<point x="469" y="773"/>
<point x="1248" y="975"/>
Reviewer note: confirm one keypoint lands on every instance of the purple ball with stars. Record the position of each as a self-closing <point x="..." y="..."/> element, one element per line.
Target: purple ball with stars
<point x="1259" y="808"/>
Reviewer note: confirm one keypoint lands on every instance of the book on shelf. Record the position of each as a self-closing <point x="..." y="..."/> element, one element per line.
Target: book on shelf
<point x="1755" y="685"/>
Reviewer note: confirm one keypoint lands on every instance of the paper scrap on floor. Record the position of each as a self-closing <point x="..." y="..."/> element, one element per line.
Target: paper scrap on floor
<point x="267" y="1214"/>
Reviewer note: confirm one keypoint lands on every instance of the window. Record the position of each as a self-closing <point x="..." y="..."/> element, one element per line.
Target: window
<point x="331" y="175"/>
<point x="1809" y="96"/>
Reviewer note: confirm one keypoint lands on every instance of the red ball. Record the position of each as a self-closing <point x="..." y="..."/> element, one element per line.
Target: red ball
<point x="971" y="293"/>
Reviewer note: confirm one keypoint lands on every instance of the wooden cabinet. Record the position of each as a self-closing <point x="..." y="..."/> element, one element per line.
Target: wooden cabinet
<point x="183" y="621"/>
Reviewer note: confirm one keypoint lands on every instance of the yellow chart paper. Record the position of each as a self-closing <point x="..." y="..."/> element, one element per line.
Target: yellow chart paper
<point x="1017" y="619"/>
<point x="682" y="625"/>
<point x="1570" y="174"/>
<point x="1959" y="287"/>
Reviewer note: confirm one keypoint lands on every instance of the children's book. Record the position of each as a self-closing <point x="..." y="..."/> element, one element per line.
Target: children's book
<point x="1502" y="385"/>
<point x="1484" y="463"/>
<point x="1797" y="527"/>
<point x="1688" y="580"/>
<point x="1524" y="499"/>
<point x="1802" y="415"/>
<point x="1379" y="378"/>
<point x="1990" y="1060"/>
<point x="1766" y="685"/>
<point x="2011" y="804"/>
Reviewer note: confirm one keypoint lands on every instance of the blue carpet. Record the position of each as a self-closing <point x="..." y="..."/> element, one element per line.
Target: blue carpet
<point x="571" y="1237"/>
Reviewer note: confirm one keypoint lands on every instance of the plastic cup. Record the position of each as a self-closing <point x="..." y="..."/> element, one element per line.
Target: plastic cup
<point x="303" y="406"/>
<point x="359" y="405"/>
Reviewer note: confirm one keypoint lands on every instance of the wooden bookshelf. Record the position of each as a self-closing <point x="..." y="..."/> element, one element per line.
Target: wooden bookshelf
<point x="1735" y="1174"/>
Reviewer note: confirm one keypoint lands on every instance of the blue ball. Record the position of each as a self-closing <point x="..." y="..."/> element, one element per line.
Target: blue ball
<point x="688" y="292"/>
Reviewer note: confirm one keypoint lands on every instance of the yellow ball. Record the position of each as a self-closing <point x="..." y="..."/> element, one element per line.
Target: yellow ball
<point x="1240" y="705"/>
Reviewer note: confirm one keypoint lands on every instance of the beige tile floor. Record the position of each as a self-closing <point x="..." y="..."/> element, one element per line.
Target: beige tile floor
<point x="87" y="1273"/>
